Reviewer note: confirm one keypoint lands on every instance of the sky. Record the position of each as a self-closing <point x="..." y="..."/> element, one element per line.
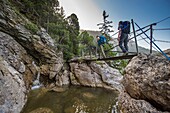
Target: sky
<point x="143" y="12"/>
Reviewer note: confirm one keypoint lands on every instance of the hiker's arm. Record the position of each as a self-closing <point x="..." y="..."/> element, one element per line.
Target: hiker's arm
<point x="119" y="34"/>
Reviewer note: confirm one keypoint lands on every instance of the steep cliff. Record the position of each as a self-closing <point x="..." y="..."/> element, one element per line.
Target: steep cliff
<point x="147" y="85"/>
<point x="23" y="54"/>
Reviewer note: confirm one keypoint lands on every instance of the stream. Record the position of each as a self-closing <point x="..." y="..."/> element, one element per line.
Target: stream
<point x="75" y="99"/>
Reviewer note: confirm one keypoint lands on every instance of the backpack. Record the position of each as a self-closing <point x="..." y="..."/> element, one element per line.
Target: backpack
<point x="125" y="25"/>
<point x="102" y="40"/>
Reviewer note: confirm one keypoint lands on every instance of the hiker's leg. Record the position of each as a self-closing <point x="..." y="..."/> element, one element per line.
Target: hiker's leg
<point x="126" y="42"/>
<point x="121" y="42"/>
<point x="98" y="51"/>
<point x="102" y="51"/>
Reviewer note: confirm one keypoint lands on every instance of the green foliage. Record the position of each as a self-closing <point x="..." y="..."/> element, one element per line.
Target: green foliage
<point x="38" y="11"/>
<point x="32" y="27"/>
<point x="86" y="39"/>
<point x="48" y="14"/>
<point x="86" y="42"/>
<point x="74" y="32"/>
<point x="120" y="65"/>
<point x="67" y="55"/>
<point x="62" y="37"/>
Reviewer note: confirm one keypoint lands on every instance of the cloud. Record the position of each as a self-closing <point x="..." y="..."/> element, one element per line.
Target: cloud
<point x="87" y="11"/>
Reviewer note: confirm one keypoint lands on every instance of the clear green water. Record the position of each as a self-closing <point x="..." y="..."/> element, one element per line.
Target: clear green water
<point x="72" y="100"/>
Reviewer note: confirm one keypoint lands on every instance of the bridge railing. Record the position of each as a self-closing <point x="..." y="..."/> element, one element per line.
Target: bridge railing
<point x="143" y="30"/>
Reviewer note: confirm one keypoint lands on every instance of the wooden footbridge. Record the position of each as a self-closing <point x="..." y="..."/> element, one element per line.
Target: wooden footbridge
<point x="104" y="59"/>
<point x="131" y="54"/>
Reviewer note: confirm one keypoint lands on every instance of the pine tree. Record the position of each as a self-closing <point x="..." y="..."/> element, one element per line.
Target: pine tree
<point x="87" y="45"/>
<point x="105" y="26"/>
<point x="74" y="32"/>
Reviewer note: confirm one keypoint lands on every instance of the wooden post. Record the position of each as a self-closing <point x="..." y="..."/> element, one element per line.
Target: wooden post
<point x="151" y="37"/>
<point x="90" y="52"/>
<point x="135" y="36"/>
<point x="82" y="53"/>
<point x="96" y="51"/>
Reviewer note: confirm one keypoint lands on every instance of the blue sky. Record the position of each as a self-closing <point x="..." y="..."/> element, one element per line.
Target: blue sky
<point x="143" y="12"/>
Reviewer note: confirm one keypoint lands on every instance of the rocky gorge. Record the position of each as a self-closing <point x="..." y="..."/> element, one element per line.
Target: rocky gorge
<point x="145" y="87"/>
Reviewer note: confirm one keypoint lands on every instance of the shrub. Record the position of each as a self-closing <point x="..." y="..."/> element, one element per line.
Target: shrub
<point x="32" y="27"/>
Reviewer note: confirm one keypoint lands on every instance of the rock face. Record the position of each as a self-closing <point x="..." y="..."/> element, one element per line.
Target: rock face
<point x="12" y="89"/>
<point x="95" y="75"/>
<point x="23" y="55"/>
<point x="147" y="85"/>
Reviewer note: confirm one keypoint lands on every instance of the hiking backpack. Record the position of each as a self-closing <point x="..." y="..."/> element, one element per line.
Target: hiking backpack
<point x="102" y="40"/>
<point x="125" y="25"/>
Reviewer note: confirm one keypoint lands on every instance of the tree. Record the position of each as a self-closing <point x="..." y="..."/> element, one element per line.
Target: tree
<point x="105" y="26"/>
<point x="87" y="45"/>
<point x="105" y="29"/>
<point x="48" y="14"/>
<point x="74" y="32"/>
<point x="62" y="12"/>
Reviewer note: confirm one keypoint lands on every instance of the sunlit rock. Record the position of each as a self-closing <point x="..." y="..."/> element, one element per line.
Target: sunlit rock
<point x="147" y="78"/>
<point x="95" y="74"/>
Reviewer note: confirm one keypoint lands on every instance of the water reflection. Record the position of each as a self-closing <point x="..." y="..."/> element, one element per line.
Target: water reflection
<point x="73" y="100"/>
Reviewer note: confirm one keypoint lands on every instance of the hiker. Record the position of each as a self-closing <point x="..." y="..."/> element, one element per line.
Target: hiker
<point x="124" y="30"/>
<point x="101" y="40"/>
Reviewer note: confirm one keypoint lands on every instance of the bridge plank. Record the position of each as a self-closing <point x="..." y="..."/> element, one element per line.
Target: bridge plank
<point x="104" y="59"/>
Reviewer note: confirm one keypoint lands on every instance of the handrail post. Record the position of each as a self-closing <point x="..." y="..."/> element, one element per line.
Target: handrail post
<point x="134" y="35"/>
<point x="154" y="43"/>
<point x="151" y="36"/>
